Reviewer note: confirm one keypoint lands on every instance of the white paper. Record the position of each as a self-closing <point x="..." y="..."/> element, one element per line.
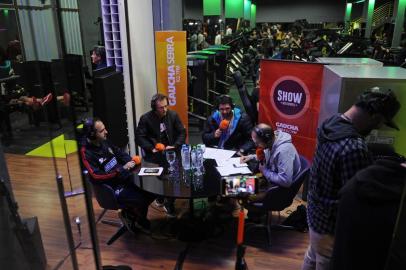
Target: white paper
<point x="218" y="154"/>
<point x="144" y="173"/>
<point x="231" y="170"/>
<point x="231" y="162"/>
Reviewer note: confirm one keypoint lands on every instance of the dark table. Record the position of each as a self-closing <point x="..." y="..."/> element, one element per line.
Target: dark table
<point x="182" y="184"/>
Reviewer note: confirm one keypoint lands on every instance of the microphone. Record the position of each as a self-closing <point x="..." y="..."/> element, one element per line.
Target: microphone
<point x="137" y="160"/>
<point x="224" y="125"/>
<point x="160" y="147"/>
<point x="260" y="155"/>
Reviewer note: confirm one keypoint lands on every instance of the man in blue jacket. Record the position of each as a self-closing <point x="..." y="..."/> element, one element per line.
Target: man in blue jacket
<point x="237" y="135"/>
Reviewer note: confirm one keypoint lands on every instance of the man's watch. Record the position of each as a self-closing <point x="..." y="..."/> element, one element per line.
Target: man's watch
<point x="241" y="151"/>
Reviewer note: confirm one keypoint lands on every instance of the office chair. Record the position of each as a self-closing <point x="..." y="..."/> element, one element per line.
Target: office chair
<point x="107" y="199"/>
<point x="250" y="108"/>
<point x="278" y="198"/>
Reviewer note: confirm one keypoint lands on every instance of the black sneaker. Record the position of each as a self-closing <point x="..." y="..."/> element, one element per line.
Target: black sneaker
<point x="127" y="220"/>
<point x="143" y="225"/>
<point x="159" y="202"/>
<point x="170" y="209"/>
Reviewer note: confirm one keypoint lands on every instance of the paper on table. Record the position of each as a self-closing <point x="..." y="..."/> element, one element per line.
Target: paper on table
<point x="151" y="171"/>
<point x="217" y="154"/>
<point x="231" y="170"/>
<point x="231" y="162"/>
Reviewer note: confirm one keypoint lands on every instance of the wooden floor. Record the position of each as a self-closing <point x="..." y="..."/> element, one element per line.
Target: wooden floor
<point x="34" y="187"/>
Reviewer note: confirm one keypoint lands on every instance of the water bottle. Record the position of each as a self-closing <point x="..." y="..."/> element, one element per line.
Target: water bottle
<point x="200" y="157"/>
<point x="185" y="157"/>
<point x="193" y="158"/>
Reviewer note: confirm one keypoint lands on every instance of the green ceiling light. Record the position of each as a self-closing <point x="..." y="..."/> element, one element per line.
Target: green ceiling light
<point x="5" y="12"/>
<point x="247" y="10"/>
<point x="253" y="16"/>
<point x="370" y="13"/>
<point x="211" y="7"/>
<point x="234" y="9"/>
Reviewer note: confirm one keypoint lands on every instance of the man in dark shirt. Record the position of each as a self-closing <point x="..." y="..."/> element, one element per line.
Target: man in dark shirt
<point x="107" y="164"/>
<point x="368" y="209"/>
<point x="160" y="125"/>
<point x="341" y="152"/>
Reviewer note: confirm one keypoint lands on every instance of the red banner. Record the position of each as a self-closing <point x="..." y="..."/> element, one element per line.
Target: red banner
<point x="290" y="100"/>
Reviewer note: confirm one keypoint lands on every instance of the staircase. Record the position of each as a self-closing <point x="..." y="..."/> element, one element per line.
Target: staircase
<point x="382" y="15"/>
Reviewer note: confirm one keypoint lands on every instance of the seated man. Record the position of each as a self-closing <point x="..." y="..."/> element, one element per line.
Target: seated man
<point x="107" y="164"/>
<point x="233" y="136"/>
<point x="281" y="164"/>
<point x="160" y="125"/>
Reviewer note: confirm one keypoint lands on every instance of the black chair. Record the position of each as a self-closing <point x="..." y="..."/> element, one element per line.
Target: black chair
<point x="278" y="198"/>
<point x="250" y="108"/>
<point x="107" y="199"/>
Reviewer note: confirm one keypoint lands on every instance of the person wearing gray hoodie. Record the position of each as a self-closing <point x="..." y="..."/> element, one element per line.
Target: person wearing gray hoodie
<point x="281" y="164"/>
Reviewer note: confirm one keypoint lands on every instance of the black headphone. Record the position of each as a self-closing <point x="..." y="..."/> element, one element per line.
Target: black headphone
<point x="265" y="134"/>
<point x="89" y="129"/>
<point x="157" y="97"/>
<point x="225" y="99"/>
<point x="374" y="100"/>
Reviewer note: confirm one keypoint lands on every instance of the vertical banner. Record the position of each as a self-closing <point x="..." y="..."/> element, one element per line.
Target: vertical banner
<point x="170" y="55"/>
<point x="290" y="100"/>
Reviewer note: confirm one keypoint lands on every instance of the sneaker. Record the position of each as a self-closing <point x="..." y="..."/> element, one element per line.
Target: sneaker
<point x="159" y="202"/>
<point x="45" y="100"/>
<point x="170" y="210"/>
<point x="143" y="225"/>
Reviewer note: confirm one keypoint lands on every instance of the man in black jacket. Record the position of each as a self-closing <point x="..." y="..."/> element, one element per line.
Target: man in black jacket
<point x="160" y="125"/>
<point x="236" y="136"/>
<point x="368" y="210"/>
<point x="107" y="164"/>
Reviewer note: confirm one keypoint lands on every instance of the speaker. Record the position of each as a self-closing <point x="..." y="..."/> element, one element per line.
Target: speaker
<point x="109" y="106"/>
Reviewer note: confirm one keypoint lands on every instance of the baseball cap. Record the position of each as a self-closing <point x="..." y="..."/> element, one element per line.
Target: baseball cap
<point x="383" y="102"/>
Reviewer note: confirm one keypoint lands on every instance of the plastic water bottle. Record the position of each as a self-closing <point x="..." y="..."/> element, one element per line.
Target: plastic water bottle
<point x="185" y="157"/>
<point x="200" y="158"/>
<point x="193" y="158"/>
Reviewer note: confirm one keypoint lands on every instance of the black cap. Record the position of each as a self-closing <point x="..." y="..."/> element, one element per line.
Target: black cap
<point x="383" y="102"/>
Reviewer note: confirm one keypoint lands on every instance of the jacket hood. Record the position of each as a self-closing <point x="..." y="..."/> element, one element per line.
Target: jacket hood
<point x="281" y="138"/>
<point x="381" y="182"/>
<point x="336" y="128"/>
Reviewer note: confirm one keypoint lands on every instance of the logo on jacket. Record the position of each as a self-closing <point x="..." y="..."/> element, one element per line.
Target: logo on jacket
<point x="290" y="97"/>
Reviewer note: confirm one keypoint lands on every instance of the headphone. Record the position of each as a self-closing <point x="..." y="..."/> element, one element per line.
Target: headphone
<point x="88" y="128"/>
<point x="155" y="98"/>
<point x="225" y="99"/>
<point x="265" y="134"/>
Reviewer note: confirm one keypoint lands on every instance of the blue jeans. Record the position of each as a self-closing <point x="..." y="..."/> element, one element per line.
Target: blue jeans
<point x="319" y="252"/>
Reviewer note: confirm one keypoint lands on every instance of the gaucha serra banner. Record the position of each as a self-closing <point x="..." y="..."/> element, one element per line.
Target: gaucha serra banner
<point x="290" y="100"/>
<point x="170" y="53"/>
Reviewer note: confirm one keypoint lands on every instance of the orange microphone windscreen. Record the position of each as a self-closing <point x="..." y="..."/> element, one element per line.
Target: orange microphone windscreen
<point x="160" y="147"/>
<point x="137" y="160"/>
<point x="260" y="154"/>
<point x="224" y="124"/>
